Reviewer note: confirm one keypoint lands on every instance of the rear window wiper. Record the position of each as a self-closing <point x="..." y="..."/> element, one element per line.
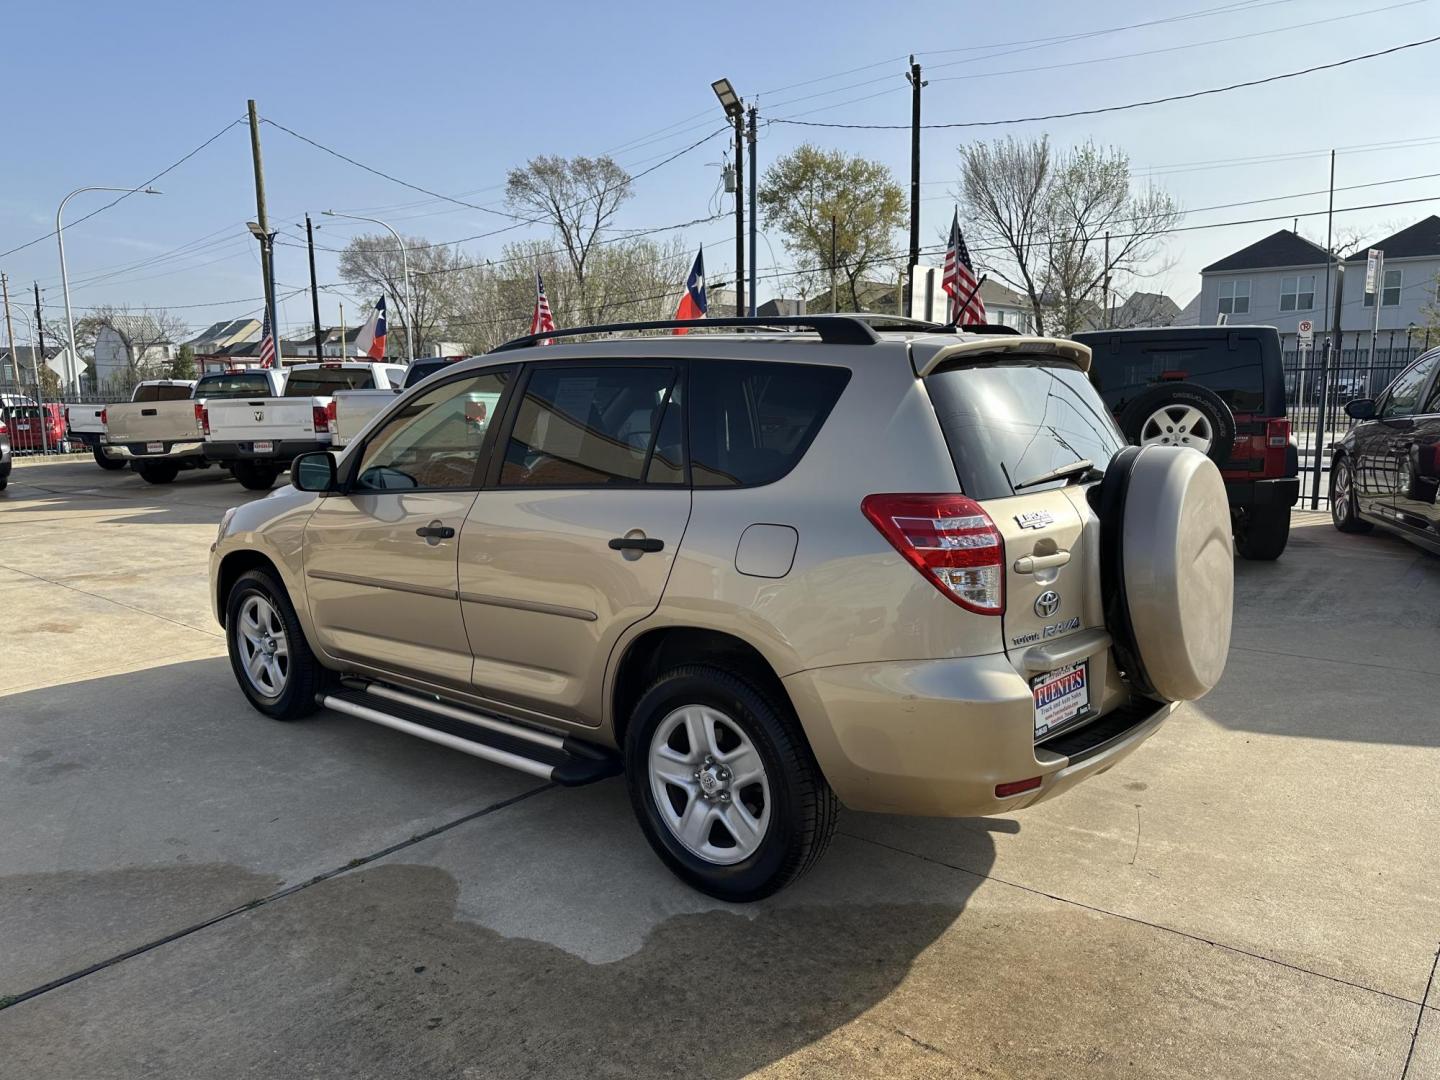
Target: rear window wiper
<point x="1076" y="470"/>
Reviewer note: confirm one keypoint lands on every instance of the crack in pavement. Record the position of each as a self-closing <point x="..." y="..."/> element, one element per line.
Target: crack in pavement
<point x="1145" y="922"/>
<point x="112" y="600"/>
<point x="280" y="894"/>
<point x="1420" y="1018"/>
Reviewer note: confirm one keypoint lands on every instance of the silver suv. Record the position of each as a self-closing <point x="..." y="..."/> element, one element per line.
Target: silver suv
<point x="764" y="573"/>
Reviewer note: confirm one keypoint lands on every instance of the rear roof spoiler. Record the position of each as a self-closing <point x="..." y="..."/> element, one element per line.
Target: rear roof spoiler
<point x="995" y="346"/>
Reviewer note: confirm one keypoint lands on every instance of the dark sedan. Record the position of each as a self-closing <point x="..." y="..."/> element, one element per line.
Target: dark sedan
<point x="1386" y="470"/>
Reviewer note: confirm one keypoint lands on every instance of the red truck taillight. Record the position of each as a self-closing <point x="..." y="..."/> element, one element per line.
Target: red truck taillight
<point x="323" y="415"/>
<point x="202" y="422"/>
<point x="1277" y="433"/>
<point x="951" y="540"/>
<point x="103" y="413"/>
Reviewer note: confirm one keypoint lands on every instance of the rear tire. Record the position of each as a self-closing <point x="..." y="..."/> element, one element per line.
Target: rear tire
<point x="109" y="464"/>
<point x="1261" y="532"/>
<point x="254" y="476"/>
<point x="268" y="652"/>
<point x="1344" y="509"/>
<point x="157" y="472"/>
<point x="789" y="810"/>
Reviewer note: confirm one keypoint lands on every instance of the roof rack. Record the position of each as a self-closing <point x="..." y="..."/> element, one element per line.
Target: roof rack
<point x="833" y="329"/>
<point x="880" y="321"/>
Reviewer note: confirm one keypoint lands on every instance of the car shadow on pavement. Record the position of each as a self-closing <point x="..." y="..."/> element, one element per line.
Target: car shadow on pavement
<point x="541" y="939"/>
<point x="129" y="500"/>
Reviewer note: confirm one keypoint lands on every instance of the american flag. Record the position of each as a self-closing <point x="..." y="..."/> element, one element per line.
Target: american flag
<point x="542" y="320"/>
<point x="958" y="280"/>
<point x="267" y="344"/>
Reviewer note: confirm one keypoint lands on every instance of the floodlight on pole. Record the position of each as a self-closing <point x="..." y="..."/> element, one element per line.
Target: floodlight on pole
<point x="65" y="276"/>
<point x="405" y="269"/>
<point x="729" y="100"/>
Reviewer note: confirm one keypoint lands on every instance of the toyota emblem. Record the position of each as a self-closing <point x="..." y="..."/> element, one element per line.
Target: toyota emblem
<point x="1047" y="603"/>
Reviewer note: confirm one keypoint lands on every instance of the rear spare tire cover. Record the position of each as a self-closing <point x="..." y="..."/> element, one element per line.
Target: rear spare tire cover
<point x="1178" y="566"/>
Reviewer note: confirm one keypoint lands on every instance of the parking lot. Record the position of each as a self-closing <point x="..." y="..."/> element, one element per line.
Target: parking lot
<point x="190" y="890"/>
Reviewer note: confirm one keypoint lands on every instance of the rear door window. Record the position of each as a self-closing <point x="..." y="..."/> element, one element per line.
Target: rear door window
<point x="585" y="425"/>
<point x="1236" y="375"/>
<point x="322" y="382"/>
<point x="162" y="393"/>
<point x="751" y="423"/>
<point x="1009" y="421"/>
<point x="234" y="384"/>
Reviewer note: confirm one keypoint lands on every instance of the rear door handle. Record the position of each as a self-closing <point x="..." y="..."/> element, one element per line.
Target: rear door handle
<point x="1028" y="564"/>
<point x="637" y="543"/>
<point x="435" y="531"/>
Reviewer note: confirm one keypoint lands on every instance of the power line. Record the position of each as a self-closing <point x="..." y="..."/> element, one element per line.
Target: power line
<point x="140" y="186"/>
<point x="1121" y="108"/>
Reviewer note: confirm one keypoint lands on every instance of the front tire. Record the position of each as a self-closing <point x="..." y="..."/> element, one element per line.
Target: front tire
<point x="1344" y="508"/>
<point x="109" y="464"/>
<point x="268" y="652"/>
<point x="157" y="472"/>
<point x="255" y="476"/>
<point x="724" y="785"/>
<point x="1261" y="532"/>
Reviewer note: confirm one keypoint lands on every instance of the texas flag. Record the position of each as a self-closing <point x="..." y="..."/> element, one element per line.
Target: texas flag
<point x="692" y="304"/>
<point x="371" y="339"/>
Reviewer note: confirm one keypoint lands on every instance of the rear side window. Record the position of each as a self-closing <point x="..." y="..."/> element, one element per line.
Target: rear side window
<point x="162" y="393"/>
<point x="234" y="384"/>
<point x="751" y="423"/>
<point x="322" y="382"/>
<point x="1236" y="374"/>
<point x="587" y="426"/>
<point x="1007" y="422"/>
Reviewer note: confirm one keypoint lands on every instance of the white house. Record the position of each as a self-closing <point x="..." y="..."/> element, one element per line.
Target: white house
<point x="127" y="343"/>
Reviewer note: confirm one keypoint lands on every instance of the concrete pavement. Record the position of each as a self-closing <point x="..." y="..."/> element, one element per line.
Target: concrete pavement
<point x="1251" y="894"/>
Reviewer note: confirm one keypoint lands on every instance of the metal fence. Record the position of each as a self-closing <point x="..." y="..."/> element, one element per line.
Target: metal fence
<point x="1320" y="381"/>
<point x="36" y="419"/>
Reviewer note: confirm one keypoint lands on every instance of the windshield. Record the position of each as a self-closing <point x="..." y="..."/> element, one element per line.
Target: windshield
<point x="1009" y="421"/>
<point x="1231" y="365"/>
<point x="234" y="384"/>
<point x="322" y="382"/>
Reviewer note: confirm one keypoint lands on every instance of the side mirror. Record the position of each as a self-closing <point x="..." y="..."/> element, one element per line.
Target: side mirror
<point x="314" y="472"/>
<point x="1360" y="409"/>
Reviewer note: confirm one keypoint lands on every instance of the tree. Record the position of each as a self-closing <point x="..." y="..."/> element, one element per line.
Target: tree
<point x="142" y="344"/>
<point x="183" y="366"/>
<point x="577" y="197"/>
<point x="1041" y="220"/>
<point x="838" y="214"/>
<point x="374" y="263"/>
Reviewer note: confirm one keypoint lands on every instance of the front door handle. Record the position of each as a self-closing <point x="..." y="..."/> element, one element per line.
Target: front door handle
<point x="637" y="543"/>
<point x="435" y="532"/>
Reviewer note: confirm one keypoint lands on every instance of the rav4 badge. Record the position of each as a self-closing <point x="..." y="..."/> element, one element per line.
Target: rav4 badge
<point x="1034" y="519"/>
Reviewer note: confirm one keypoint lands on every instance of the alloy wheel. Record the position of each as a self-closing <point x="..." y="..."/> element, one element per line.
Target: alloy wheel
<point x="264" y="648"/>
<point x="709" y="784"/>
<point x="1340" y="505"/>
<point x="1178" y="425"/>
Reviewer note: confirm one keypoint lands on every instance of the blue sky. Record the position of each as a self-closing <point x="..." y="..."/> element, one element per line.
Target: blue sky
<point x="451" y="95"/>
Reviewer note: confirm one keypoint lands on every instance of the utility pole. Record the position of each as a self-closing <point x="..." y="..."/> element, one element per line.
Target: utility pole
<point x="834" y="283"/>
<point x="915" y="84"/>
<point x="754" y="214"/>
<point x="739" y="213"/>
<point x="10" y="331"/>
<point x="1105" y="285"/>
<point x="263" y="220"/>
<point x="314" y="289"/>
<point x="342" y="329"/>
<point x="36" y="359"/>
<point x="1332" y="337"/>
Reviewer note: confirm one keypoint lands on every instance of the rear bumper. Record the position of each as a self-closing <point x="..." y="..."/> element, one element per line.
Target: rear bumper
<point x="935" y="737"/>
<point x="87" y="439"/>
<point x="140" y="451"/>
<point x="1284" y="491"/>
<point x="281" y="453"/>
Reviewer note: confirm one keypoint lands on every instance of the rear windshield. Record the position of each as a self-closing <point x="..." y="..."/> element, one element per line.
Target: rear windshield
<point x="1009" y="421"/>
<point x="233" y="384"/>
<point x="161" y="393"/>
<point x="1236" y="374"/>
<point x="322" y="382"/>
<point x="423" y="369"/>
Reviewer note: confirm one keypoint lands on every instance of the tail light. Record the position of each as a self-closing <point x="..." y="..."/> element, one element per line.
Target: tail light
<point x="1277" y="433"/>
<point x="3" y="429"/>
<point x="950" y="540"/>
<point x="103" y="413"/>
<point x="204" y="411"/>
<point x="200" y="417"/>
<point x="323" y="415"/>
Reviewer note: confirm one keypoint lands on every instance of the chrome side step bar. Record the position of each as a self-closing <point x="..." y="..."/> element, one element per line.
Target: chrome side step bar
<point x="547" y="756"/>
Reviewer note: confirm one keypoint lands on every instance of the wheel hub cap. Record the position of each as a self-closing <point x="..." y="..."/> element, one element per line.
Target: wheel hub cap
<point x="261" y="645"/>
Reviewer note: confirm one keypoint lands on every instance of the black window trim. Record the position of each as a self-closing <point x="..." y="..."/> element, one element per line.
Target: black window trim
<point x="522" y="385"/>
<point x="350" y="467"/>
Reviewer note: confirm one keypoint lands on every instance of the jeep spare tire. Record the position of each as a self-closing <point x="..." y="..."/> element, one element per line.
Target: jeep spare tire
<point x="1167" y="569"/>
<point x="1181" y="414"/>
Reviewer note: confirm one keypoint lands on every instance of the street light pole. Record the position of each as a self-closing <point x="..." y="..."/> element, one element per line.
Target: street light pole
<point x="735" y="113"/>
<point x="405" y="267"/>
<point x="74" y="364"/>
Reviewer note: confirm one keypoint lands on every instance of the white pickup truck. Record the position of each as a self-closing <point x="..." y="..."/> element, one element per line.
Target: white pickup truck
<point x="257" y="437"/>
<point x="86" y="426"/>
<point x="157" y="431"/>
<point x="356" y="408"/>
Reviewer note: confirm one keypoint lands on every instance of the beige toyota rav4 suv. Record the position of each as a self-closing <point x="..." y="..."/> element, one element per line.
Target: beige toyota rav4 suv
<point x="764" y="572"/>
